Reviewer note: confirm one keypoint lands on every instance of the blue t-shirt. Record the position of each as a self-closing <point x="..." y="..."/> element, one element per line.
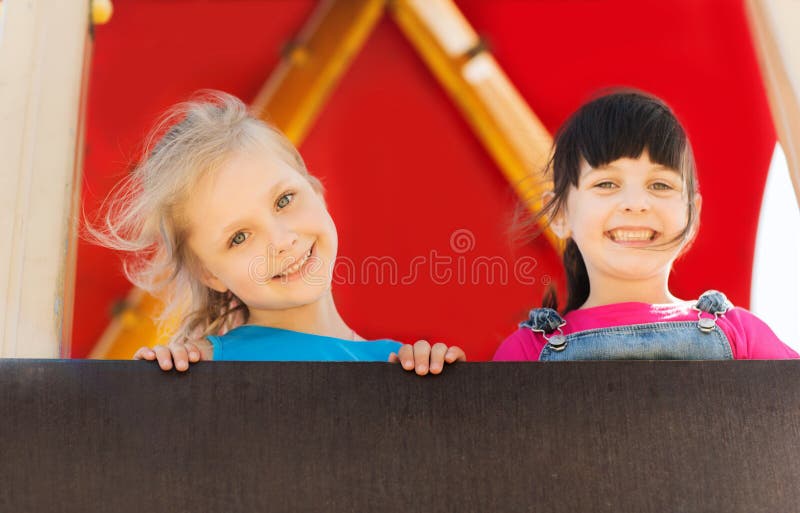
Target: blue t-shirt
<point x="261" y="343"/>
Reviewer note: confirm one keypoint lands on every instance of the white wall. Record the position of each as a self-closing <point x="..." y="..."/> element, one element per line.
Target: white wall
<point x="775" y="293"/>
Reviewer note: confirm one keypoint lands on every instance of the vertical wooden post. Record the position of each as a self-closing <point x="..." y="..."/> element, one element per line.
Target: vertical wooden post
<point x="777" y="42"/>
<point x="43" y="62"/>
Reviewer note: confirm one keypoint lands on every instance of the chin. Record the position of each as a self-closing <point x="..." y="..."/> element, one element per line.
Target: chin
<point x="308" y="295"/>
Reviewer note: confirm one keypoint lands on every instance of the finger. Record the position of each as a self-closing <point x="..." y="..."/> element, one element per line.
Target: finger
<point x="455" y="354"/>
<point x="437" y="357"/>
<point x="194" y="352"/>
<point x="180" y="356"/>
<point x="144" y="353"/>
<point x="406" y="356"/>
<point x="164" y="357"/>
<point x="422" y="355"/>
<point x="204" y="348"/>
<point x="393" y="358"/>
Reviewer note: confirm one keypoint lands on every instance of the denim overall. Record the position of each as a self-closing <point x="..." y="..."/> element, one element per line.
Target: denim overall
<point x="686" y="340"/>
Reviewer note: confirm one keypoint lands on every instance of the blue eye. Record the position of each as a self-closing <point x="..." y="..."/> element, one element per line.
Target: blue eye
<point x="238" y="238"/>
<point x="284" y="200"/>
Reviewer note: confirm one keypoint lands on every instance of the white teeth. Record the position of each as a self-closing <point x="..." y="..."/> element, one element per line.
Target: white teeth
<point x="632" y="235"/>
<point x="295" y="267"/>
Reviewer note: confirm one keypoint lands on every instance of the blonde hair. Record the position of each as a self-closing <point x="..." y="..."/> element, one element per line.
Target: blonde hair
<point x="142" y="215"/>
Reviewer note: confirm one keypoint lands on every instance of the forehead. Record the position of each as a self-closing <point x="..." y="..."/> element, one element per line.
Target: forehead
<point x="254" y="168"/>
<point x="242" y="182"/>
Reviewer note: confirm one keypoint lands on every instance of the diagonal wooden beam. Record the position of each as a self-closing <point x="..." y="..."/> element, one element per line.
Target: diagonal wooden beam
<point x="510" y="131"/>
<point x="131" y="328"/>
<point x="314" y="62"/>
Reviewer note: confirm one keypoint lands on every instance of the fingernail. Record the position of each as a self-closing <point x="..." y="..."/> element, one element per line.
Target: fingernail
<point x="435" y="366"/>
<point x="408" y="364"/>
<point x="422" y="368"/>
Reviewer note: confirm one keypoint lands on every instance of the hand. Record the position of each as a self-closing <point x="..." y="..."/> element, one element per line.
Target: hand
<point x="421" y="357"/>
<point x="181" y="353"/>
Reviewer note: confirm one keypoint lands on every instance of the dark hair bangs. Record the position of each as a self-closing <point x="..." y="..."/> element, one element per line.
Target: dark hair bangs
<point x="622" y="126"/>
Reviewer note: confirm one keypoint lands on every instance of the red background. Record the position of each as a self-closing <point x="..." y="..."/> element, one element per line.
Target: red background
<point x="403" y="169"/>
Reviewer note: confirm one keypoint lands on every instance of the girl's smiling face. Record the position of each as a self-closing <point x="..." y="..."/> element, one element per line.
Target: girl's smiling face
<point x="625" y="218"/>
<point x="261" y="230"/>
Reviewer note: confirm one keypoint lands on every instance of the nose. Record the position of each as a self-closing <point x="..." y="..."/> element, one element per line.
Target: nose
<point x="281" y="239"/>
<point x="635" y="200"/>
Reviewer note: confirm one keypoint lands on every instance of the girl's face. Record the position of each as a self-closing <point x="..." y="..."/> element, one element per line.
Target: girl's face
<point x="261" y="231"/>
<point x="622" y="215"/>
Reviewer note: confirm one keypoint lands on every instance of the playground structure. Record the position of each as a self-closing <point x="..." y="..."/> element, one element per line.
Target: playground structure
<point x="56" y="83"/>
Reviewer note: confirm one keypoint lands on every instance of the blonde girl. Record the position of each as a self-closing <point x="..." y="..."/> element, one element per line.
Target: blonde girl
<point x="223" y="221"/>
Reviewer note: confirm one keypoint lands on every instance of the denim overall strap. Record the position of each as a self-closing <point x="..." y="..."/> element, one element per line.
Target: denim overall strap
<point x="546" y="321"/>
<point x="712" y="302"/>
<point x="662" y="340"/>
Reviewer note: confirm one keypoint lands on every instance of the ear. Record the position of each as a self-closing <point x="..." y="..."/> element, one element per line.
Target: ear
<point x="211" y="281"/>
<point x="558" y="223"/>
<point x="698" y="203"/>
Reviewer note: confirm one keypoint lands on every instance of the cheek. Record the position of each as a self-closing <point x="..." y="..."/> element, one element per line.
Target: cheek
<point x="235" y="268"/>
<point x="583" y="218"/>
<point x="332" y="233"/>
<point x="679" y="213"/>
<point x="318" y="220"/>
<point x="204" y="263"/>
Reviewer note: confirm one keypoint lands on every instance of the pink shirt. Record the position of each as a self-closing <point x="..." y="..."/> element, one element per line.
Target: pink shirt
<point x="750" y="338"/>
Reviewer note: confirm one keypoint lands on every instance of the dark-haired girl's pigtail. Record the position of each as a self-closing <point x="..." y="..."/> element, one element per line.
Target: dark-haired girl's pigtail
<point x="577" y="281"/>
<point x="550" y="297"/>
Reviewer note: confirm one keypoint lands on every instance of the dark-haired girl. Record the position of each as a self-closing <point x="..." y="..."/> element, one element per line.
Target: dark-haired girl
<point x="625" y="201"/>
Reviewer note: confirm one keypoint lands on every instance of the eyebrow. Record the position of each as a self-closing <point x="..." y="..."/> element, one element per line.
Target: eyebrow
<point x="226" y="231"/>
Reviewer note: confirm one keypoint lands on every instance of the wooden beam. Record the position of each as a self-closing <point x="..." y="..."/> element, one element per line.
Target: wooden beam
<point x="314" y="62"/>
<point x="43" y="63"/>
<point x="511" y="132"/>
<point x="777" y="42"/>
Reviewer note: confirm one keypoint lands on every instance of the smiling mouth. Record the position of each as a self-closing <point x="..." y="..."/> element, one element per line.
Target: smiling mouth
<point x="639" y="235"/>
<point x="294" y="268"/>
